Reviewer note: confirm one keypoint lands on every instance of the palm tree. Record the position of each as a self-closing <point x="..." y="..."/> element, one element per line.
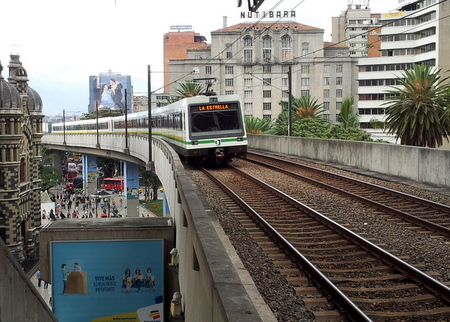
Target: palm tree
<point x="189" y="89"/>
<point x="254" y="125"/>
<point x="306" y="107"/>
<point x="418" y="112"/>
<point x="347" y="117"/>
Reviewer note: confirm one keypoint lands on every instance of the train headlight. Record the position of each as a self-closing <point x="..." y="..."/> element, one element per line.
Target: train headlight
<point x="194" y="142"/>
<point x="240" y="139"/>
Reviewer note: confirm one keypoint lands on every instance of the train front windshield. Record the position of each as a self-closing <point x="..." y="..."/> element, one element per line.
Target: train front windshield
<point x="223" y="118"/>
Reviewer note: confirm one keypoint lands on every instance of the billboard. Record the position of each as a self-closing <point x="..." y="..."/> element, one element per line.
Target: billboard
<point x="106" y="281"/>
<point x="107" y="91"/>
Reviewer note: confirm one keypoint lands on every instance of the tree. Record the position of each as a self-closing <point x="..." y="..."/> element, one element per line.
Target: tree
<point x="347" y="117"/>
<point x="306" y="107"/>
<point x="149" y="180"/>
<point x="48" y="171"/>
<point x="102" y="113"/>
<point x="254" y="125"/>
<point x="417" y="113"/>
<point x="189" y="89"/>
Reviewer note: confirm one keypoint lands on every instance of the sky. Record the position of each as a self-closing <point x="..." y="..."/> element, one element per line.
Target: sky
<point x="61" y="43"/>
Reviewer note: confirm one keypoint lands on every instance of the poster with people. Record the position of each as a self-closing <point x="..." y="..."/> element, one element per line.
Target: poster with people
<point x="108" y="92"/>
<point x="106" y="281"/>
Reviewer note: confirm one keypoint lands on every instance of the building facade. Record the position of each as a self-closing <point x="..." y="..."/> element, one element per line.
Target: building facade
<point x="20" y="156"/>
<point x="413" y="34"/>
<point x="175" y="46"/>
<point x="253" y="60"/>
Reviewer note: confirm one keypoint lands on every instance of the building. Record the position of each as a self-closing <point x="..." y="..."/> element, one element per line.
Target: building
<point x="20" y="137"/>
<point x="353" y="26"/>
<point x="413" y="34"/>
<point x="175" y="47"/>
<point x="253" y="60"/>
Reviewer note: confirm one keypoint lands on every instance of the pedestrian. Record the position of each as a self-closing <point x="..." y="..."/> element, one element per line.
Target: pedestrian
<point x="45" y="285"/>
<point x="65" y="274"/>
<point x="38" y="275"/>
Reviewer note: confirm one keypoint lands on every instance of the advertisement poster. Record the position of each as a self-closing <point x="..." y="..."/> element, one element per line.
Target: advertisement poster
<point x="105" y="281"/>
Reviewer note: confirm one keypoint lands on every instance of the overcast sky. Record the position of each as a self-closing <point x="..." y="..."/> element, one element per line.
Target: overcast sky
<point x="61" y="43"/>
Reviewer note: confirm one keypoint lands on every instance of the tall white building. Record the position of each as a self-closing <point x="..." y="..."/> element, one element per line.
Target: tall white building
<point x="253" y="59"/>
<point x="416" y="33"/>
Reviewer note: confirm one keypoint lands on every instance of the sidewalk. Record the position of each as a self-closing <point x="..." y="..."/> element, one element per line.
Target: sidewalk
<point x="45" y="293"/>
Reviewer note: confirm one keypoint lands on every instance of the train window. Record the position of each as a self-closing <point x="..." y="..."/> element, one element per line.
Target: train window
<point x="227" y="121"/>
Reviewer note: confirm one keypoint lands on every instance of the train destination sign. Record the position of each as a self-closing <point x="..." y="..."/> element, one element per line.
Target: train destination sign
<point x="213" y="107"/>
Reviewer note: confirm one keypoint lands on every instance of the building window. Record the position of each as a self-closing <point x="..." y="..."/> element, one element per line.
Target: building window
<point x="267" y="106"/>
<point x="285" y="82"/>
<point x="305" y="68"/>
<point x="326" y="106"/>
<point x="248" y="107"/>
<point x="208" y="70"/>
<point x="305" y="49"/>
<point x="338" y="106"/>
<point x="285" y="48"/>
<point x="326" y="68"/>
<point x="338" y="80"/>
<point x="304" y="92"/>
<point x="267" y="49"/>
<point x="267" y="81"/>
<point x="267" y="94"/>
<point x="229" y="82"/>
<point x="339" y="68"/>
<point x="305" y="81"/>
<point x="326" y="93"/>
<point x="267" y="117"/>
<point x="229" y="70"/>
<point x="229" y="51"/>
<point x="267" y="69"/>
<point x="284" y="68"/>
<point x="248" y="82"/>
<point x="339" y="93"/>
<point x="229" y="92"/>
<point x="247" y="69"/>
<point x="326" y="81"/>
<point x="247" y="94"/>
<point x="248" y="49"/>
<point x="285" y="94"/>
<point x="326" y="117"/>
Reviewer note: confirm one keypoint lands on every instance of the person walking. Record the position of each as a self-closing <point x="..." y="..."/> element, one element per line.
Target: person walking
<point x="38" y="275"/>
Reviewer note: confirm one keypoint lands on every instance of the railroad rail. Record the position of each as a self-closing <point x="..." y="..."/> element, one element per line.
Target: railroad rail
<point x="363" y="280"/>
<point x="430" y="215"/>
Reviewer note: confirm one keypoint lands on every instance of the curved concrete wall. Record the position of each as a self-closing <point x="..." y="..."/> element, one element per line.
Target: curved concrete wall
<point x="213" y="282"/>
<point x="431" y="166"/>
<point x="19" y="298"/>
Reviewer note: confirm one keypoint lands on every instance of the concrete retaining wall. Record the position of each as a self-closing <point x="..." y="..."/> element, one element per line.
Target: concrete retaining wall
<point x="19" y="298"/>
<point x="430" y="166"/>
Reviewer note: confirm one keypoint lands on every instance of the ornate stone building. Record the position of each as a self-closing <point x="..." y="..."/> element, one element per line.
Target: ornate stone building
<point x="20" y="155"/>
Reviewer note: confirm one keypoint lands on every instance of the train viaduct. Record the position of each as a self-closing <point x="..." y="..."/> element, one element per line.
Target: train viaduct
<point x="211" y="278"/>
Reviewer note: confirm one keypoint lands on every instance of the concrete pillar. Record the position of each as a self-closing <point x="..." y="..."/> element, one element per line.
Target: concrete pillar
<point x="131" y="172"/>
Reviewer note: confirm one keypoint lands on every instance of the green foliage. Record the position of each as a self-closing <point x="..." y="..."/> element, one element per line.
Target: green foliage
<point x="347" y="117"/>
<point x="102" y="113"/>
<point x="149" y="180"/>
<point x="48" y="171"/>
<point x="188" y="89"/>
<point x="418" y="113"/>
<point x="307" y="107"/>
<point x="256" y="125"/>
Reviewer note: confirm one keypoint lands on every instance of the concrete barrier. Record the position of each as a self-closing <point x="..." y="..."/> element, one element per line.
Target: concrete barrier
<point x="425" y="165"/>
<point x="19" y="298"/>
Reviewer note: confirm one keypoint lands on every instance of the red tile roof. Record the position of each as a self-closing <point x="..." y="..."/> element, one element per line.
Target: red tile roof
<point x="271" y="25"/>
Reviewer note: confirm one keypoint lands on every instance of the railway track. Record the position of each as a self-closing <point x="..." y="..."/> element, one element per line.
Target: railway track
<point x="427" y="214"/>
<point x="361" y="279"/>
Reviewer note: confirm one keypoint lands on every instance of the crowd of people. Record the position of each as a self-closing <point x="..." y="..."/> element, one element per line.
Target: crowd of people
<point x="73" y="204"/>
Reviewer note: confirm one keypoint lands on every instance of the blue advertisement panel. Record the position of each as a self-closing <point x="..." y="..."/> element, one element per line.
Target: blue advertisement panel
<point x="107" y="91"/>
<point x="132" y="184"/>
<point x="106" y="281"/>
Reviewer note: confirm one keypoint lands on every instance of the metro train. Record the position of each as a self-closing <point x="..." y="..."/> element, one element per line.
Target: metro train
<point x="201" y="128"/>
